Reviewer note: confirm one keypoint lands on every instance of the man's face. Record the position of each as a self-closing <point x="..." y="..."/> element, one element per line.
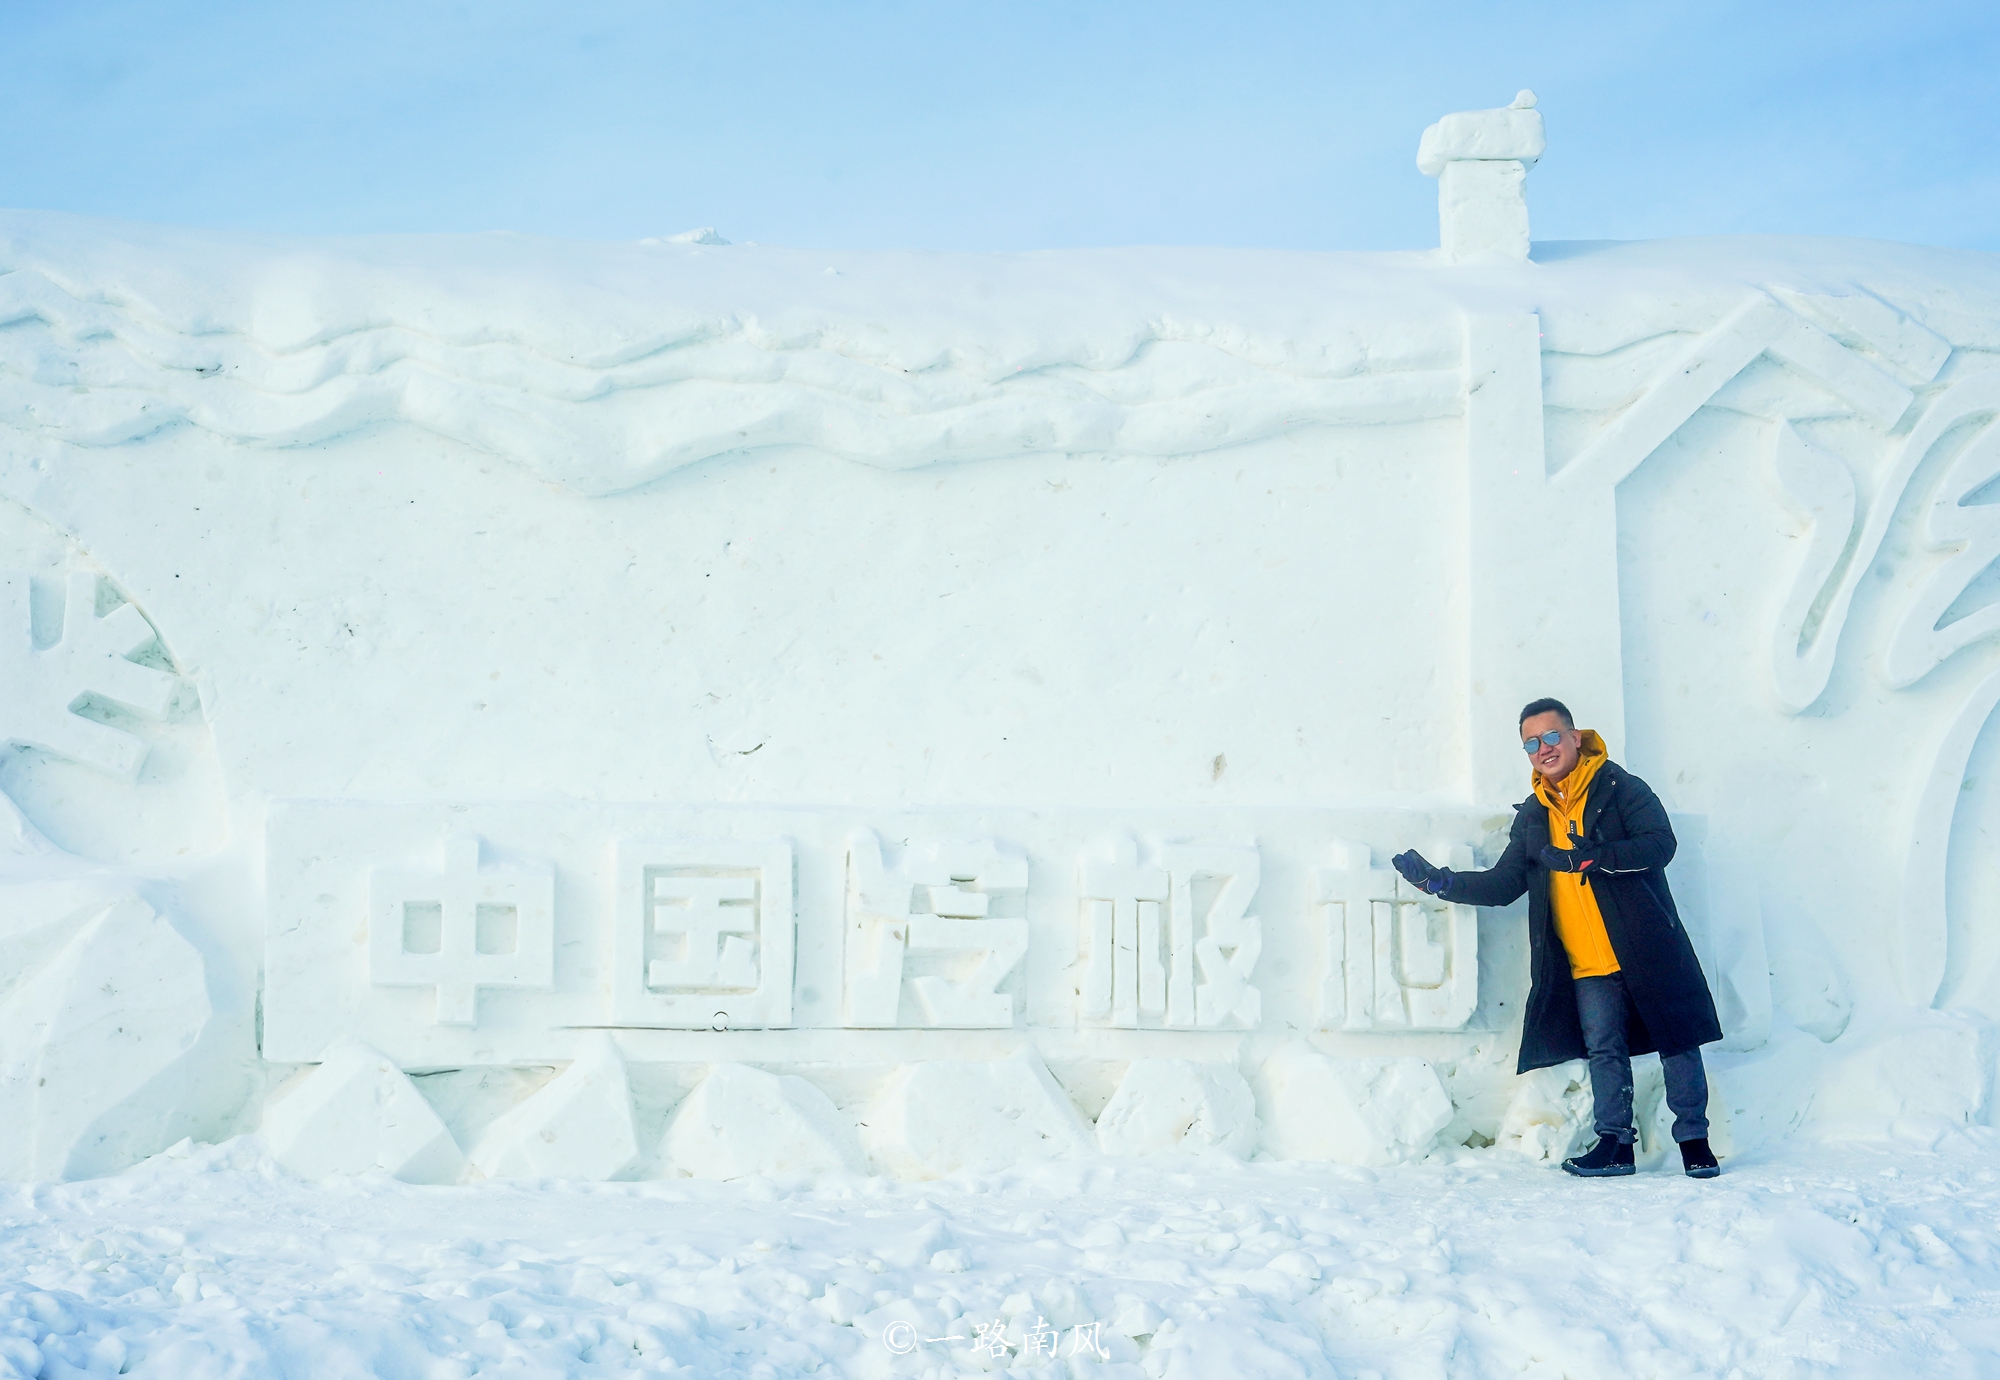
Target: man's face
<point x="1552" y="762"/>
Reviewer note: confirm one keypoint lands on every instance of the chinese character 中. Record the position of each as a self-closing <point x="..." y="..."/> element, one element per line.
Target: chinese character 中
<point x="467" y="928"/>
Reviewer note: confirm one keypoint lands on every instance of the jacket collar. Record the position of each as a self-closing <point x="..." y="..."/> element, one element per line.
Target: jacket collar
<point x="1602" y="788"/>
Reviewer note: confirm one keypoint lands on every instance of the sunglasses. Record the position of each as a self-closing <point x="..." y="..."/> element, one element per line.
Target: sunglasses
<point x="1549" y="739"/>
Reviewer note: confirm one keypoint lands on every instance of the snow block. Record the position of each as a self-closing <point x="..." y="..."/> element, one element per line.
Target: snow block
<point x="1179" y="1104"/>
<point x="1548" y="1118"/>
<point x="100" y="1002"/>
<point x="741" y="1121"/>
<point x="935" y="1118"/>
<point x="1355" y="1111"/>
<point x="1481" y="159"/>
<point x="1513" y="132"/>
<point x="580" y="1126"/>
<point x="357" y="1113"/>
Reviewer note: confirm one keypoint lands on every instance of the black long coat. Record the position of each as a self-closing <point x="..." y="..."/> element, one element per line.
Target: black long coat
<point x="1670" y="1003"/>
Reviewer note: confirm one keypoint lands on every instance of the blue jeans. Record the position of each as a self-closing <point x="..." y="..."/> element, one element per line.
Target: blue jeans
<point x="1601" y="1005"/>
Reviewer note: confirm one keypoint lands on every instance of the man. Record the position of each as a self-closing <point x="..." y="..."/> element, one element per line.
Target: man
<point x="1611" y="971"/>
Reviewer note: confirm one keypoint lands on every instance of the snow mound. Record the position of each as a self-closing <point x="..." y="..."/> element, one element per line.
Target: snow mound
<point x="741" y="1121"/>
<point x="580" y="1126"/>
<point x="935" y="1118"/>
<point x="1179" y="1104"/>
<point x="1549" y="1116"/>
<point x="357" y="1113"/>
<point x="1355" y="1111"/>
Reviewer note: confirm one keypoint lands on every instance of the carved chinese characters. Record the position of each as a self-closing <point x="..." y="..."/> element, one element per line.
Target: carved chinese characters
<point x="704" y="934"/>
<point x="1152" y="929"/>
<point x="1397" y="960"/>
<point x="462" y="929"/>
<point x="452" y="936"/>
<point x="956" y="908"/>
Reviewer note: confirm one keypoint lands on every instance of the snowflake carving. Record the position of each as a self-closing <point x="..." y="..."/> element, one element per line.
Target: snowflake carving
<point x="41" y="686"/>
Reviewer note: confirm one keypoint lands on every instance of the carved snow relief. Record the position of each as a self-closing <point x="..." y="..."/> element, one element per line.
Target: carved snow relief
<point x="1169" y="944"/>
<point x="1960" y="430"/>
<point x="89" y="660"/>
<point x="1954" y="521"/>
<point x="960" y="903"/>
<point x="462" y="930"/>
<point x="449" y="936"/>
<point x="1820" y="489"/>
<point x="1865" y="358"/>
<point x="590" y="419"/>
<point x="704" y="934"/>
<point x="1852" y="355"/>
<point x="1396" y="959"/>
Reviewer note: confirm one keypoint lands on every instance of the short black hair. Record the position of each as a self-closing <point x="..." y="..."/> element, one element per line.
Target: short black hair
<point x="1546" y="706"/>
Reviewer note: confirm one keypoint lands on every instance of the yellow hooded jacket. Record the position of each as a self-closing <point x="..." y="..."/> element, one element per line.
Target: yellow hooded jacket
<point x="1579" y="924"/>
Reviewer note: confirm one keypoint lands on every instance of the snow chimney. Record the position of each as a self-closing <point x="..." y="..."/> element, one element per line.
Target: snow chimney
<point x="1481" y="160"/>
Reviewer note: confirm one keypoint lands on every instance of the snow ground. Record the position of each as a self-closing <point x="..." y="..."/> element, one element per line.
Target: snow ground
<point x="1803" y="1260"/>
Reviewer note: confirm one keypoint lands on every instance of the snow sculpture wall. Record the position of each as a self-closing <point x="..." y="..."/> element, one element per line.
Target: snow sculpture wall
<point x="559" y="695"/>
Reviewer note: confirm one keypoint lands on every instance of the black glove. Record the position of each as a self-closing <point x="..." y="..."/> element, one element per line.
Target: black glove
<point x="1578" y="857"/>
<point x="1430" y="880"/>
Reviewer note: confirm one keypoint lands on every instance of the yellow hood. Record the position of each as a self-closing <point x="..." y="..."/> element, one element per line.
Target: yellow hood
<point x="1562" y="795"/>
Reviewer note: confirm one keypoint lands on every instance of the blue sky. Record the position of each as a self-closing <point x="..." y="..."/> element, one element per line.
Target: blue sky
<point x="1020" y="125"/>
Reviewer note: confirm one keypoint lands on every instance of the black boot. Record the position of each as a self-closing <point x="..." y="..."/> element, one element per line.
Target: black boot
<point x="1606" y="1158"/>
<point x="1698" y="1159"/>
